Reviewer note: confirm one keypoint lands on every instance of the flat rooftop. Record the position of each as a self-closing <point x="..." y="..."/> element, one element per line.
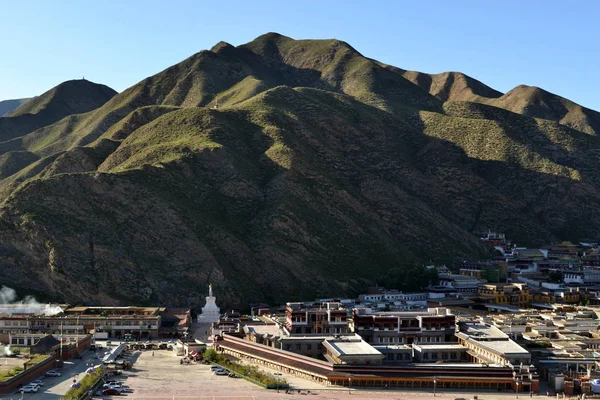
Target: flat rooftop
<point x="352" y="348"/>
<point x="480" y="331"/>
<point x="261" y="329"/>
<point x="504" y="347"/>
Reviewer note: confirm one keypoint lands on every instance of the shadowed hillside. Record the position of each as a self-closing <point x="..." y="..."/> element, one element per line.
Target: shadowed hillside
<point x="283" y="169"/>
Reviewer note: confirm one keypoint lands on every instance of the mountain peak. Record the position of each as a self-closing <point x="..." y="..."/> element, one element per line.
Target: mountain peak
<point x="221" y="45"/>
<point x="72" y="97"/>
<point x="68" y="98"/>
<point x="451" y="86"/>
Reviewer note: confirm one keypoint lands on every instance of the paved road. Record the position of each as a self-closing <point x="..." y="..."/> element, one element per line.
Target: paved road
<point x="55" y="388"/>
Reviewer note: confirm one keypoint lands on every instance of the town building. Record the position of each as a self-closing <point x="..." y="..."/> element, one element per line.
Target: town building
<point x="352" y="351"/>
<point x="512" y="294"/>
<point x="489" y="345"/>
<point x="329" y="318"/>
<point x="435" y="325"/>
<point x="564" y="250"/>
<point x="440" y="352"/>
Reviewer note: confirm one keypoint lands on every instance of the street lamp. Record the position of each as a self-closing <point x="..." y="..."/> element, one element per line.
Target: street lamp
<point x="349" y="384"/>
<point x="530" y="385"/>
<point x="277" y="375"/>
<point x="434" y="384"/>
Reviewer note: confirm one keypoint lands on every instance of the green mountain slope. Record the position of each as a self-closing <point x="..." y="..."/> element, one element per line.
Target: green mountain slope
<point x="8" y="106"/>
<point x="278" y="170"/>
<point x="71" y="97"/>
<point x="527" y="100"/>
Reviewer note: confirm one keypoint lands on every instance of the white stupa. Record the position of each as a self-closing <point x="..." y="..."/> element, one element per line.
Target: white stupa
<point x="210" y="312"/>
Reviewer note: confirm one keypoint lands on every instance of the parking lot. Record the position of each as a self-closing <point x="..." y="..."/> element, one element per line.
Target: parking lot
<point x="159" y="375"/>
<point x="162" y="376"/>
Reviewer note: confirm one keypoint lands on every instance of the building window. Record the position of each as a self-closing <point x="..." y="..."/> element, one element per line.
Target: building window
<point x="434" y="356"/>
<point x="309" y="347"/>
<point x="298" y="347"/>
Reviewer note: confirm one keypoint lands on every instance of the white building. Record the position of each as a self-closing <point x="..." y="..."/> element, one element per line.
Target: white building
<point x="210" y="312"/>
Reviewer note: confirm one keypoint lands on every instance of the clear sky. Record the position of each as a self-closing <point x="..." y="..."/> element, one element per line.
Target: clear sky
<point x="504" y="43"/>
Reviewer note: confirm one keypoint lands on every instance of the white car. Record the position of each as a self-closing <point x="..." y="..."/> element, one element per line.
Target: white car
<point x="37" y="382"/>
<point x="29" y="389"/>
<point x="52" y="373"/>
<point x="114" y="385"/>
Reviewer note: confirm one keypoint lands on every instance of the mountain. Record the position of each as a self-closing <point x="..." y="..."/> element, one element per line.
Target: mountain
<point x="8" y="106"/>
<point x="68" y="98"/>
<point x="279" y="170"/>
<point x="526" y="100"/>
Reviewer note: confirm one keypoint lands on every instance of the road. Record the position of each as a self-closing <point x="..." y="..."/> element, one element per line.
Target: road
<point x="55" y="388"/>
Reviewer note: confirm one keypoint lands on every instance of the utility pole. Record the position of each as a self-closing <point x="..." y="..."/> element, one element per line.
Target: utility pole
<point x="61" y="340"/>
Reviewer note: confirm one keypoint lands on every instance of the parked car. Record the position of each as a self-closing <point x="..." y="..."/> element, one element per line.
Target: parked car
<point x="38" y="382"/>
<point x="214" y="368"/>
<point x="75" y="385"/>
<point x="29" y="389"/>
<point x="112" y="384"/>
<point x="52" y="373"/>
<point x="221" y="372"/>
<point x="111" y="392"/>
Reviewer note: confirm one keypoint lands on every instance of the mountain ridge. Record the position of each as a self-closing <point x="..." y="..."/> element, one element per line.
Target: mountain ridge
<point x="8" y="106"/>
<point x="527" y="100"/>
<point x="283" y="169"/>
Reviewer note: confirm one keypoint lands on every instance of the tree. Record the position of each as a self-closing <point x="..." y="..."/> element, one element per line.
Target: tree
<point x="555" y="277"/>
<point x="411" y="278"/>
<point x="210" y="354"/>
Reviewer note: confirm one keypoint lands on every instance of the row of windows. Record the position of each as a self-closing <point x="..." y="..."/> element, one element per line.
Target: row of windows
<point x="13" y="323"/>
<point x="399" y="356"/>
<point x="424" y="339"/>
<point x="298" y="346"/>
<point x="444" y="356"/>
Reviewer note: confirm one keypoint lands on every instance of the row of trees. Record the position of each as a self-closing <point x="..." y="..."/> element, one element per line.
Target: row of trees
<point x="250" y="372"/>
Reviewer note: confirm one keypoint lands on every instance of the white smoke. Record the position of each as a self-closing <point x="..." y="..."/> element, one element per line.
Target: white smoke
<point x="29" y="305"/>
<point x="5" y="351"/>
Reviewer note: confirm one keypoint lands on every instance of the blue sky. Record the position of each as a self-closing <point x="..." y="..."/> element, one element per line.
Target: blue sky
<point x="551" y="44"/>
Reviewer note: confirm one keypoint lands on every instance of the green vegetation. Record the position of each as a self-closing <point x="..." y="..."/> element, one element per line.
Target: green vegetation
<point x="22" y="350"/>
<point x="6" y="375"/>
<point x="283" y="169"/>
<point x="409" y="278"/>
<point x="539" y="345"/>
<point x="87" y="383"/>
<point x="248" y="372"/>
<point x="36" y="359"/>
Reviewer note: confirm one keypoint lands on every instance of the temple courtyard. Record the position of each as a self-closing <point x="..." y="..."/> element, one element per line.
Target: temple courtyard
<point x="160" y="376"/>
